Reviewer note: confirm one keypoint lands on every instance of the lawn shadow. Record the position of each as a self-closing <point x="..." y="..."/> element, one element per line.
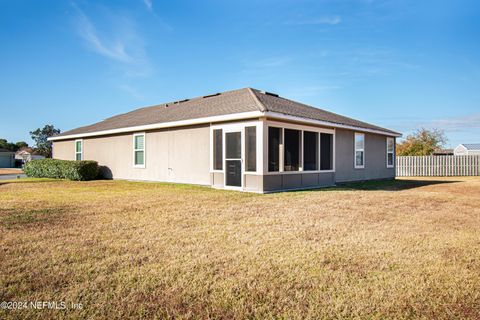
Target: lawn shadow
<point x="388" y="185"/>
<point x="15" y="218"/>
<point x="28" y="180"/>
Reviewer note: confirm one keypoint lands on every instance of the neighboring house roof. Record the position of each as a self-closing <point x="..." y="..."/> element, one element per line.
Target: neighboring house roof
<point x="471" y="146"/>
<point x="240" y="101"/>
<point x="6" y="150"/>
<point x="27" y="150"/>
<point x="443" y="152"/>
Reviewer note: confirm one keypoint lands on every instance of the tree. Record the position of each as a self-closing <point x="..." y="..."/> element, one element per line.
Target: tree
<point x="4" y="144"/>
<point x="422" y="142"/>
<point x="40" y="136"/>
<point x="21" y="144"/>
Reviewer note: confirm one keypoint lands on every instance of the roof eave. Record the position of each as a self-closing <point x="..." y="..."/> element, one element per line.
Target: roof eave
<point x="229" y="117"/>
<point x="180" y="123"/>
<point x="281" y="116"/>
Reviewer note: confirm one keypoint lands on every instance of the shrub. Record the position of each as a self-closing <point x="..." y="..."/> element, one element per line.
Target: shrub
<point x="62" y="169"/>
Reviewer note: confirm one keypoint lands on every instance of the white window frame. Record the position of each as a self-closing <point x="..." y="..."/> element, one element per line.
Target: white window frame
<point x="81" y="149"/>
<point x="359" y="149"/>
<point x="139" y="134"/>
<point x="302" y="128"/>
<point x="392" y="152"/>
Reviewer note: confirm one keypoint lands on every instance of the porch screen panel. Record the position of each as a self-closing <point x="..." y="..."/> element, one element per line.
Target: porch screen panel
<point x="274" y="140"/>
<point x="233" y="149"/>
<point x="292" y="149"/>
<point x="217" y="149"/>
<point x="310" y="151"/>
<point x="326" y="151"/>
<point x="251" y="148"/>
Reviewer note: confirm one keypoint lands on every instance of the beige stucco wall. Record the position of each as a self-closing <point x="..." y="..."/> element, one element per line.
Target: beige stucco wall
<point x="64" y="150"/>
<point x="179" y="155"/>
<point x="375" y="157"/>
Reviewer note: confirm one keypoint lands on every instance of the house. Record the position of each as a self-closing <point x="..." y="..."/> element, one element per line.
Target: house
<point x="467" y="149"/>
<point x="7" y="158"/>
<point x="243" y="139"/>
<point x="27" y="154"/>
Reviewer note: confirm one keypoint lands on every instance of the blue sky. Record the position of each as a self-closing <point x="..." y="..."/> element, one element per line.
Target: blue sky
<point x="398" y="64"/>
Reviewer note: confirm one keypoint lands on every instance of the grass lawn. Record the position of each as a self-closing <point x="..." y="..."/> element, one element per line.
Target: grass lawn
<point x="399" y="249"/>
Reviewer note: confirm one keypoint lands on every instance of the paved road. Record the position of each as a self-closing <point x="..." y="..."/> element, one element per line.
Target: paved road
<point x="12" y="176"/>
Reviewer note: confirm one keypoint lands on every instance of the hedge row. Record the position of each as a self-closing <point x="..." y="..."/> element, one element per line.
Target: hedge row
<point x="62" y="169"/>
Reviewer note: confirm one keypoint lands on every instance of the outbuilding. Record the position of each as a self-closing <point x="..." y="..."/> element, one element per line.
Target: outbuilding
<point x="467" y="149"/>
<point x="244" y="139"/>
<point x="27" y="154"/>
<point x="7" y="158"/>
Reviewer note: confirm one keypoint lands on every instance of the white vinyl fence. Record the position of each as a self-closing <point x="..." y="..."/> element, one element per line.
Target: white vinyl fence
<point x="435" y="166"/>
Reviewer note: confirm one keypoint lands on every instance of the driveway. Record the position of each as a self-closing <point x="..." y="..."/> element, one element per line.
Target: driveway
<point x="11" y="173"/>
<point x="12" y="176"/>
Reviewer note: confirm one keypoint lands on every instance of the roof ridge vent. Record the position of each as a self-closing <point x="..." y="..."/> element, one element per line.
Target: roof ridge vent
<point x="175" y="102"/>
<point x="269" y="93"/>
<point x="212" y="95"/>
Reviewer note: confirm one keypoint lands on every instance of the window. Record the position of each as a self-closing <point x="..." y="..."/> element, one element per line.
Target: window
<point x="139" y="150"/>
<point x="217" y="149"/>
<point x="78" y="150"/>
<point x="274" y="141"/>
<point x="251" y="148"/>
<point x="310" y="151"/>
<point x="292" y="150"/>
<point x="390" y="151"/>
<point x="359" y="150"/>
<point x="326" y="151"/>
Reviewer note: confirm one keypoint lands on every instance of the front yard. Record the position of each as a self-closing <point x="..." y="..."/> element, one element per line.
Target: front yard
<point x="404" y="249"/>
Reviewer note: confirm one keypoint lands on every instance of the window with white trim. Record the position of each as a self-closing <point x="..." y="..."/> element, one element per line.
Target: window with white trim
<point x="78" y="150"/>
<point x="139" y="150"/>
<point x="390" y="152"/>
<point x="359" y="150"/>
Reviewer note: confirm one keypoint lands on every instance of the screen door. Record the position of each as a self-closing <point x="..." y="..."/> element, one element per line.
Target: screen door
<point x="233" y="159"/>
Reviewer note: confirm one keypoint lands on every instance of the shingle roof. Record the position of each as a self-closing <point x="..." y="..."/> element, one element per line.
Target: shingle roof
<point x="281" y="105"/>
<point x="471" y="146"/>
<point x="229" y="102"/>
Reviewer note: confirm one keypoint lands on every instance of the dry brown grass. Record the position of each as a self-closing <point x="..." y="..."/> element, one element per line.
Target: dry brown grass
<point x="10" y="171"/>
<point x="405" y="249"/>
